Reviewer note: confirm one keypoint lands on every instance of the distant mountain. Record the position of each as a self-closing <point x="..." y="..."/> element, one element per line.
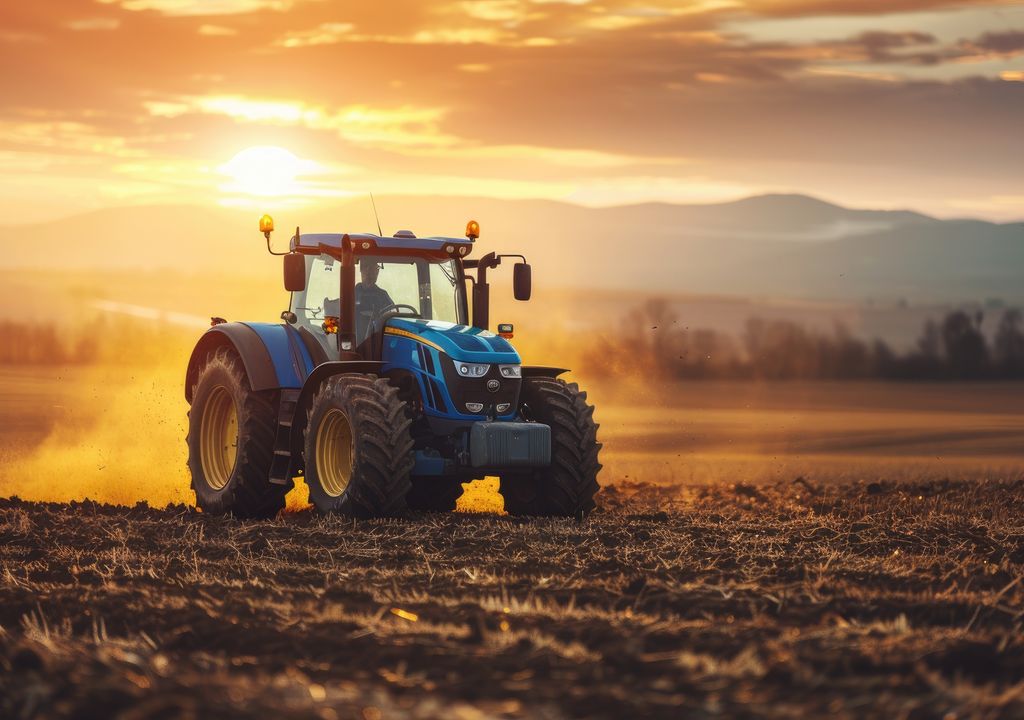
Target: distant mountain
<point x="778" y="245"/>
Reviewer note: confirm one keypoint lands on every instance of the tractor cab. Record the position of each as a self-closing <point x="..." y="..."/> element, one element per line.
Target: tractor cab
<point x="384" y="388"/>
<point x="346" y="313"/>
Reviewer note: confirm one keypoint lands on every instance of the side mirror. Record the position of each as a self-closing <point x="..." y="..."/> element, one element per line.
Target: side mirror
<point x="522" y="281"/>
<point x="294" y="272"/>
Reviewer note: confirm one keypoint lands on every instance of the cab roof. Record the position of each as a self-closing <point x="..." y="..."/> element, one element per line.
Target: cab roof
<point x="402" y="240"/>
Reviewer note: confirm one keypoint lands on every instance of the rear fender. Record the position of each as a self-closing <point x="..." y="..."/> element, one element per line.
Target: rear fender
<point x="274" y="356"/>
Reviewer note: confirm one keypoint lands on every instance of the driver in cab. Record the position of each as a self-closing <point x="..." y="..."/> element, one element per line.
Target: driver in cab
<point x="371" y="299"/>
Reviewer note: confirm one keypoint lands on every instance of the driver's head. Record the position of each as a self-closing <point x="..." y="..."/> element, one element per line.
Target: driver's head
<point x="368" y="271"/>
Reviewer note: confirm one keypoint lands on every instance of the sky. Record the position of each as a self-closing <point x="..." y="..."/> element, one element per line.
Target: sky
<point x="265" y="104"/>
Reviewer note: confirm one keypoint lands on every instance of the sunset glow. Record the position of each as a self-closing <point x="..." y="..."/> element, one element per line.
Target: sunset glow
<point x="155" y="101"/>
<point x="269" y="172"/>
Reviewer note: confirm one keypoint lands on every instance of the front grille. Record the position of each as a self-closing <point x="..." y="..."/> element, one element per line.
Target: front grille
<point x="437" y="396"/>
<point x="474" y="390"/>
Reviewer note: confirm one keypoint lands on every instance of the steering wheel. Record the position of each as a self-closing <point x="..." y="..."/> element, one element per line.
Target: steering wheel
<point x="375" y="319"/>
<point x="396" y="307"/>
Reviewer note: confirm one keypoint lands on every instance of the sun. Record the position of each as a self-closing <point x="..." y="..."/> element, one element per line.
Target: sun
<point x="267" y="171"/>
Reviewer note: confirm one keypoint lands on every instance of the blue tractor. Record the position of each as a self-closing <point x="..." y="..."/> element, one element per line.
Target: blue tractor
<point x="379" y="390"/>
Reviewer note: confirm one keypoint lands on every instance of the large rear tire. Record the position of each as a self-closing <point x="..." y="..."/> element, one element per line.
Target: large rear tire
<point x="567" y="487"/>
<point x="358" y="449"/>
<point x="231" y="441"/>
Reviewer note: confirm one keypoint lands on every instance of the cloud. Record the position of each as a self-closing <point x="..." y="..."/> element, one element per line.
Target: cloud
<point x="1005" y="43"/>
<point x="94" y="24"/>
<point x="189" y="8"/>
<point x="216" y="30"/>
<point x="65" y="137"/>
<point x="336" y="33"/>
<point x="399" y="127"/>
<point x="323" y="34"/>
<point x="406" y="130"/>
<point x="659" y="97"/>
<point x="817" y="8"/>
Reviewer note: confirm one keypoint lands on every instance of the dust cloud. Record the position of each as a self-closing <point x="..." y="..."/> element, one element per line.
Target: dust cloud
<point x="118" y="437"/>
<point x="121" y="440"/>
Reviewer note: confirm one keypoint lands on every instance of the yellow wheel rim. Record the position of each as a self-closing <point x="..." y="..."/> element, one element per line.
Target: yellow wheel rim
<point x="218" y="439"/>
<point x="334" y="452"/>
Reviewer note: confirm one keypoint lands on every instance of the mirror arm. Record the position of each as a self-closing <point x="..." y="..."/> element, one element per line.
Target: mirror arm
<point x="271" y="251"/>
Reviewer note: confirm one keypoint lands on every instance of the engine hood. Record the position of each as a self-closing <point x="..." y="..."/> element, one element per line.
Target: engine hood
<point x="459" y="342"/>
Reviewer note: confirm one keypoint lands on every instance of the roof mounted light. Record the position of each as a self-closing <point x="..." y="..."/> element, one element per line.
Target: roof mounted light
<point x="472" y="229"/>
<point x="266" y="226"/>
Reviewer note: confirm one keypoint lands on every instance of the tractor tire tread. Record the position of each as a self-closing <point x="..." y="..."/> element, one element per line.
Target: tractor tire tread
<point x="568" y="486"/>
<point x="249" y="494"/>
<point x="384" y="448"/>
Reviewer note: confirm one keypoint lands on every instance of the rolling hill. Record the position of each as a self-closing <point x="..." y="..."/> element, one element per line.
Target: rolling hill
<point x="773" y="245"/>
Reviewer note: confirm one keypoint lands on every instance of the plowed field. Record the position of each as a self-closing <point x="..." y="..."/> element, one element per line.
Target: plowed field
<point x="852" y="600"/>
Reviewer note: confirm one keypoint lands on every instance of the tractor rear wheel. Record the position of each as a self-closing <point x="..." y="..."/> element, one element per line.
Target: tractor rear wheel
<point x="231" y="441"/>
<point x="358" y="449"/>
<point x="434" y="494"/>
<point x="567" y="487"/>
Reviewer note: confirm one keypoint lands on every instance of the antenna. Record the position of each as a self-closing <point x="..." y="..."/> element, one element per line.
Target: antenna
<point x="376" y="216"/>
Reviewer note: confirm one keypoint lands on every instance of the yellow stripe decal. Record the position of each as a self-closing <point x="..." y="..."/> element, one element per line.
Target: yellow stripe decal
<point x="412" y="336"/>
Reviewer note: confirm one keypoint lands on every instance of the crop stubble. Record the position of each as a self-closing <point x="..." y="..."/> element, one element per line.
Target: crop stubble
<point x="855" y="600"/>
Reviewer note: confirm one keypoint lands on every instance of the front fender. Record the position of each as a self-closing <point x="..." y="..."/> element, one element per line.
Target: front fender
<point x="529" y="371"/>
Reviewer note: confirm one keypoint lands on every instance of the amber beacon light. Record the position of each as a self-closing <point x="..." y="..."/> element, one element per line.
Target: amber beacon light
<point x="472" y="229"/>
<point x="266" y="226"/>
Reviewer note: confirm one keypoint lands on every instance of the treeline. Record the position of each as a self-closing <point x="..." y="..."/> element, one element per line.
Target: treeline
<point x="99" y="340"/>
<point x="653" y="342"/>
<point x="33" y="344"/>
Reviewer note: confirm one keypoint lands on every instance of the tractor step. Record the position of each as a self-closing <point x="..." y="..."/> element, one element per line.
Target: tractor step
<point x="280" y="467"/>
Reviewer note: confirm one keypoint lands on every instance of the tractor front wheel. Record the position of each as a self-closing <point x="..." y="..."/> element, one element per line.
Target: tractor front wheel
<point x="358" y="449"/>
<point x="567" y="487"/>
<point x="231" y="442"/>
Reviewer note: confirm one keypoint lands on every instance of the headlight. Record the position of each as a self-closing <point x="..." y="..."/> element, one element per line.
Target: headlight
<point x="472" y="369"/>
<point x="511" y="371"/>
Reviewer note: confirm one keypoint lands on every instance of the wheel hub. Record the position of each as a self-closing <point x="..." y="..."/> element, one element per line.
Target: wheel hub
<point x="334" y="452"/>
<point x="218" y="442"/>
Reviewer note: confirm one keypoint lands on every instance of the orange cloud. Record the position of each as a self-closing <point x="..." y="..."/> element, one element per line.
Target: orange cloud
<point x="151" y="99"/>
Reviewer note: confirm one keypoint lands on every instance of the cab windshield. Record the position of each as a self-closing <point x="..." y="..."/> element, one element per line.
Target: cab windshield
<point x="384" y="285"/>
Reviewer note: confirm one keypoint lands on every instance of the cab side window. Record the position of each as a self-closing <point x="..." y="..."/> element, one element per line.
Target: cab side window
<point x="319" y="300"/>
